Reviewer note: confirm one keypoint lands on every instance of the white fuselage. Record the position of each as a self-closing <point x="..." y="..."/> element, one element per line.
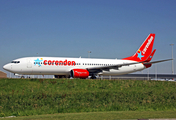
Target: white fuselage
<point x="63" y="66"/>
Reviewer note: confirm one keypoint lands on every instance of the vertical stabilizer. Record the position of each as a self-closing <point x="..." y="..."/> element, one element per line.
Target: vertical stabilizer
<point x="145" y="50"/>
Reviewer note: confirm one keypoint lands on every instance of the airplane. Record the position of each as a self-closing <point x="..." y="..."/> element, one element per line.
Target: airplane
<point x="65" y="67"/>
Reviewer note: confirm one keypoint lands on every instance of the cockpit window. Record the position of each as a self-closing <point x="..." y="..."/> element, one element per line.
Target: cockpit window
<point x="15" y="62"/>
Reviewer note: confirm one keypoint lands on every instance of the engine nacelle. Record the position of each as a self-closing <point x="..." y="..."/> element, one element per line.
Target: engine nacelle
<point x="79" y="73"/>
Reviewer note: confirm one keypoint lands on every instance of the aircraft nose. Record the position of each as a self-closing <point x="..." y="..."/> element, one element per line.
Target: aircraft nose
<point x="6" y="67"/>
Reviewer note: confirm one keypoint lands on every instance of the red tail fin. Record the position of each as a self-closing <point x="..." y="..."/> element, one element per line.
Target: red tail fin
<point x="144" y="51"/>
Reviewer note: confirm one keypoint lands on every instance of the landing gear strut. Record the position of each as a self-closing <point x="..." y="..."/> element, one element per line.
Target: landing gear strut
<point x="93" y="76"/>
<point x="60" y="76"/>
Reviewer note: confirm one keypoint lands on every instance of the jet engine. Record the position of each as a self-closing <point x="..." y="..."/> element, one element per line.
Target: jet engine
<point x="79" y="73"/>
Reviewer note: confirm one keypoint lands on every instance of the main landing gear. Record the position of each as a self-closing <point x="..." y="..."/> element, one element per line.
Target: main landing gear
<point x="61" y="76"/>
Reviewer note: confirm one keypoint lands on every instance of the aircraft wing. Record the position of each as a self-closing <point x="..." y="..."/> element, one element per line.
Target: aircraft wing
<point x="106" y="68"/>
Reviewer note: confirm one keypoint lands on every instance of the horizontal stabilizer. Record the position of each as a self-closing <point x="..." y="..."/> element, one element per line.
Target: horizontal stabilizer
<point x="147" y="63"/>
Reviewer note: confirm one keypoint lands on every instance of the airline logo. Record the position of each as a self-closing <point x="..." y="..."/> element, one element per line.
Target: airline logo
<point x="140" y="54"/>
<point x="144" y="51"/>
<point x="38" y="61"/>
<point x="54" y="62"/>
<point x="57" y="62"/>
<point x="148" y="44"/>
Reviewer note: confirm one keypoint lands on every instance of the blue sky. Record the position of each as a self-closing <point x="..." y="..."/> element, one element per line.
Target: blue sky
<point x="70" y="28"/>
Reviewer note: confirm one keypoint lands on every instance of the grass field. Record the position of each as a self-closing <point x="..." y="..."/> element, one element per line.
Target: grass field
<point x="111" y="115"/>
<point x="25" y="97"/>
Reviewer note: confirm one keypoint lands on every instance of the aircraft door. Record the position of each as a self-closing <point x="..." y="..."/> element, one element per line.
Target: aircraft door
<point x="29" y="63"/>
<point x="11" y="67"/>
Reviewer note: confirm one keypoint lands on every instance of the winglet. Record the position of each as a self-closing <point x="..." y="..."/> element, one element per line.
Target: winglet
<point x="151" y="56"/>
<point x="145" y="50"/>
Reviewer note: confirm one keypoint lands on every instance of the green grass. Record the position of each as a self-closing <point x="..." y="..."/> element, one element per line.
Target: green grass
<point x="112" y="115"/>
<point x="24" y="97"/>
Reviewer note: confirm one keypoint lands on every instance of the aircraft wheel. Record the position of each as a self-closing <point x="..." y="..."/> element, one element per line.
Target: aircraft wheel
<point x="93" y="77"/>
<point x="63" y="76"/>
<point x="22" y="77"/>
